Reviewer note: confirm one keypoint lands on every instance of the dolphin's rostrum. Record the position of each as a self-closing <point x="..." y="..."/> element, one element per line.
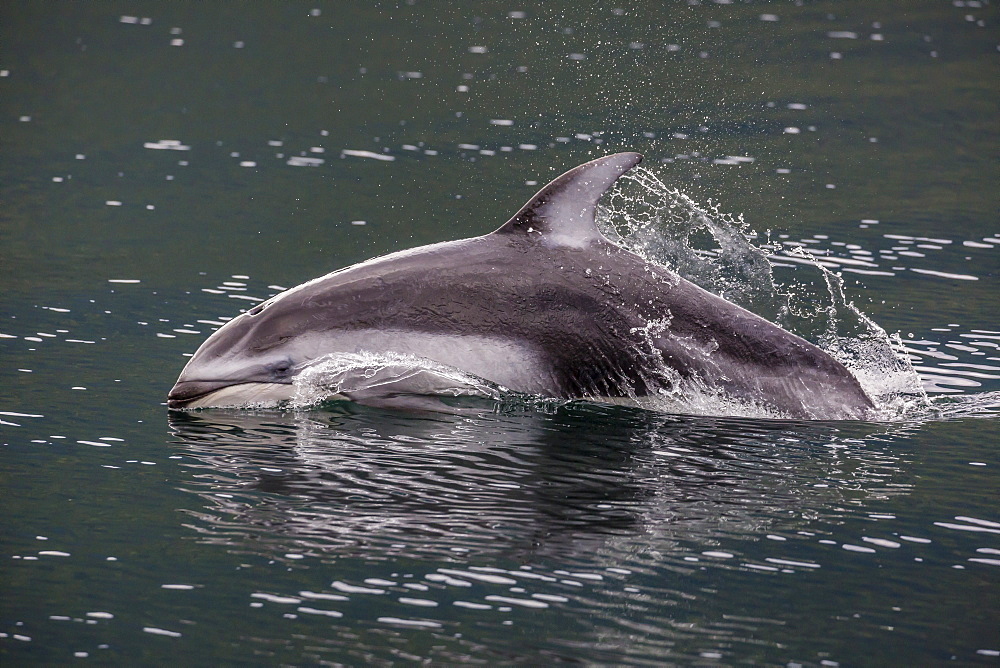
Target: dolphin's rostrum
<point x="545" y="305"/>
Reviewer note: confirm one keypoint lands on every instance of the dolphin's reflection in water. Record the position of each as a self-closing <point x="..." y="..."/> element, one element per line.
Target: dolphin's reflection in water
<point x="357" y="482"/>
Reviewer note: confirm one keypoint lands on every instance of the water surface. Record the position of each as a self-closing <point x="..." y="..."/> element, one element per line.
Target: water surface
<point x="163" y="166"/>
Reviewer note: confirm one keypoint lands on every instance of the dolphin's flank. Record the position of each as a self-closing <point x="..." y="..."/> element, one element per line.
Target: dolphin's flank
<point x="544" y="305"/>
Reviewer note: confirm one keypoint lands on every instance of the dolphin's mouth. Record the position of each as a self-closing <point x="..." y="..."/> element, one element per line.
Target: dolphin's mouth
<point x="226" y="393"/>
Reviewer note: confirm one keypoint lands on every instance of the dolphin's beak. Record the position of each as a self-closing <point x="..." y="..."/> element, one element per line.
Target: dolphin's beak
<point x="186" y="392"/>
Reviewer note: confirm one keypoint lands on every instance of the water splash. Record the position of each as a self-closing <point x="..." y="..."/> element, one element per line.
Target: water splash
<point x="719" y="252"/>
<point x="701" y="243"/>
<point x="363" y="375"/>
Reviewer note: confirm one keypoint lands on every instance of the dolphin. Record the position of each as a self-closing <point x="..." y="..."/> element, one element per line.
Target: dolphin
<point x="544" y="305"/>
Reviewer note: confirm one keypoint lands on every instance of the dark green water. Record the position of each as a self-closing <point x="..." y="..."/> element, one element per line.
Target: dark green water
<point x="197" y="152"/>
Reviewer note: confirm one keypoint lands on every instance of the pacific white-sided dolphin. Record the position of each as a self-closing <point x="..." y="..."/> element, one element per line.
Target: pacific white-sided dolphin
<point x="545" y="305"/>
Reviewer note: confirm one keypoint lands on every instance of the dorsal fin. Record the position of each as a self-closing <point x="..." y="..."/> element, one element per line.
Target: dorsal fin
<point x="563" y="212"/>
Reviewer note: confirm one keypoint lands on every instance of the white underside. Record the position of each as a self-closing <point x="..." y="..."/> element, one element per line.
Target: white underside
<point x="511" y="363"/>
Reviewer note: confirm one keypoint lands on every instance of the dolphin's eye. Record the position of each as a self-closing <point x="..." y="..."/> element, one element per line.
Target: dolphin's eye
<point x="281" y="368"/>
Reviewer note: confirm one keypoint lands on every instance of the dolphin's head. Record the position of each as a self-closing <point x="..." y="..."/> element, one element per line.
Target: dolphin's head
<point x="251" y="360"/>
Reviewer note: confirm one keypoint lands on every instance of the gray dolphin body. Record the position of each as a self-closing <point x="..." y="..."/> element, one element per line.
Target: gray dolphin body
<point x="544" y="305"/>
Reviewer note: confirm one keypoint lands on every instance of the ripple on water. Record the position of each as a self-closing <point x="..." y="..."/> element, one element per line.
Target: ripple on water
<point x="718" y="501"/>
